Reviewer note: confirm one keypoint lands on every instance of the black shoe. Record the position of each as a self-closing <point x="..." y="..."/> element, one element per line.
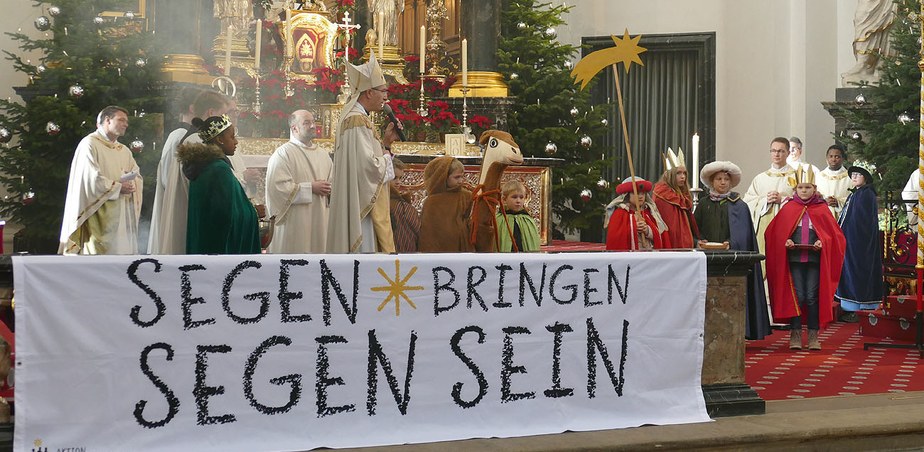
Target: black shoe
<point x="848" y="317"/>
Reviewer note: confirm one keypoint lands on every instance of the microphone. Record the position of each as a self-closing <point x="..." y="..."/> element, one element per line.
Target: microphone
<point x="391" y="115"/>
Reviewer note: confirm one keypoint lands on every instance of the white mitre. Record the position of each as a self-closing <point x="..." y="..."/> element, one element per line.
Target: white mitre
<point x="365" y="76"/>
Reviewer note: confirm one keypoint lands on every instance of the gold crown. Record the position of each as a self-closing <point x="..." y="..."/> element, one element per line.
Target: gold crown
<point x="672" y="160"/>
<point x="805" y="175"/>
<point x="214" y="129"/>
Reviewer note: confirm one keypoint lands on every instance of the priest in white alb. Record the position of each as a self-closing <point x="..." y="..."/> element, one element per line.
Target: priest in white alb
<point x="103" y="202"/>
<point x="297" y="190"/>
<point x="797" y="155"/>
<point x="833" y="182"/>
<point x="171" y="198"/>
<point x="769" y="189"/>
<point x="360" y="221"/>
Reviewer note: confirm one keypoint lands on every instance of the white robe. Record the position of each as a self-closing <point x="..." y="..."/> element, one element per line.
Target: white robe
<point x="358" y="179"/>
<point x="794" y="163"/>
<point x="833" y="183"/>
<point x="781" y="180"/>
<point x="301" y="215"/>
<point x="98" y="218"/>
<point x="171" y="200"/>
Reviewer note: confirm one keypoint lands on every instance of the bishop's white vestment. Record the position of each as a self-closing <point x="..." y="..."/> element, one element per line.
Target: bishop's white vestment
<point x="360" y="221"/>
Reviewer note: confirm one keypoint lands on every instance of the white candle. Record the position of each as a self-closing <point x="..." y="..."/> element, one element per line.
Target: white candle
<point x="256" y="60"/>
<point x="465" y="63"/>
<point x="423" y="49"/>
<point x="228" y="52"/>
<point x="695" y="160"/>
<point x="288" y="32"/>
<point x="381" y="35"/>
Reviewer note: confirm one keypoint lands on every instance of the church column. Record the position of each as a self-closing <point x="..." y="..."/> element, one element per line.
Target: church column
<point x="481" y="26"/>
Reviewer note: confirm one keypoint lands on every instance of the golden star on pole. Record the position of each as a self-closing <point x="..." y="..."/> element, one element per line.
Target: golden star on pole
<point x="626" y="51"/>
<point x="396" y="288"/>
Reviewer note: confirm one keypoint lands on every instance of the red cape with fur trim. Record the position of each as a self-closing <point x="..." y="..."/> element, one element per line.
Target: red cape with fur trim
<point x="783" y="303"/>
<point x="622" y="231"/>
<point x="677" y="213"/>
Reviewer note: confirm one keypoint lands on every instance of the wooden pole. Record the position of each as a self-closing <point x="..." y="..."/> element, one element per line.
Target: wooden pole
<point x="625" y="135"/>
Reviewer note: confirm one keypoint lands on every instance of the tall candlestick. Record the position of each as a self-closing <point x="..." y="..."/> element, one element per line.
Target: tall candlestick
<point x="695" y="160"/>
<point x="259" y="48"/>
<point x="228" y="52"/>
<point x="423" y="49"/>
<point x="381" y="35"/>
<point x="465" y="62"/>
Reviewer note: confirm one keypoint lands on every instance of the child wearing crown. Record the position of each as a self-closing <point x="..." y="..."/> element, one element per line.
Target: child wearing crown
<point x="861" y="281"/>
<point x="805" y="253"/>
<point x="672" y="196"/>
<point x="633" y="223"/>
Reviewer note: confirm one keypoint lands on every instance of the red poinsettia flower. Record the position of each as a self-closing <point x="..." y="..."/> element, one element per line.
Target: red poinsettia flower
<point x="443" y="106"/>
<point x="399" y="105"/>
<point x="480" y="121"/>
<point x="400" y="89"/>
<point x="411" y="117"/>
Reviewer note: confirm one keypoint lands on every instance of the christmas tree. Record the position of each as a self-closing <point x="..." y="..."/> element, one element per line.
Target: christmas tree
<point x="93" y="56"/>
<point x="554" y="117"/>
<point x="886" y="114"/>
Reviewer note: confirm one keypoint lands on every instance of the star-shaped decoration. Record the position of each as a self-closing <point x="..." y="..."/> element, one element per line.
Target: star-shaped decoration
<point x="626" y="51"/>
<point x="396" y="288"/>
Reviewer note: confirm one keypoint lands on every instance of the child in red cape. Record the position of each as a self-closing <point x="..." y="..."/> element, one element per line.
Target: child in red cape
<point x="805" y="253"/>
<point x="626" y="231"/>
<point x="675" y="204"/>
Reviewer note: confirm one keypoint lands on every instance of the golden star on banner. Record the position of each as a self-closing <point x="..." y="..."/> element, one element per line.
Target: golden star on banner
<point x="626" y="51"/>
<point x="396" y="288"/>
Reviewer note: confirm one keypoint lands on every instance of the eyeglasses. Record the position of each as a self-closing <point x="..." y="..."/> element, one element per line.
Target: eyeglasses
<point x="381" y="90"/>
<point x="779" y="151"/>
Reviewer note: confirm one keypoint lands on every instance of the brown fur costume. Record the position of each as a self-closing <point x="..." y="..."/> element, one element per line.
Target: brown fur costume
<point x="444" y="218"/>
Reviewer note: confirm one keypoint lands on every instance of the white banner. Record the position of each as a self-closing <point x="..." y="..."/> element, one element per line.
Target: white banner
<point x="269" y="352"/>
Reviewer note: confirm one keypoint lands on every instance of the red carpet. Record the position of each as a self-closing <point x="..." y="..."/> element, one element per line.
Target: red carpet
<point x="842" y="367"/>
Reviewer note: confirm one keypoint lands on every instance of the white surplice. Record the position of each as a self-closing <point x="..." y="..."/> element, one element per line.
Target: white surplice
<point x="171" y="200"/>
<point x="833" y="183"/>
<point x="301" y="215"/>
<point x="98" y="218"/>
<point x="781" y="180"/>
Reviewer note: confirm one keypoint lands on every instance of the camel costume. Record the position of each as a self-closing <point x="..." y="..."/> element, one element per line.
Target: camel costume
<point x="500" y="151"/>
<point x="444" y="220"/>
